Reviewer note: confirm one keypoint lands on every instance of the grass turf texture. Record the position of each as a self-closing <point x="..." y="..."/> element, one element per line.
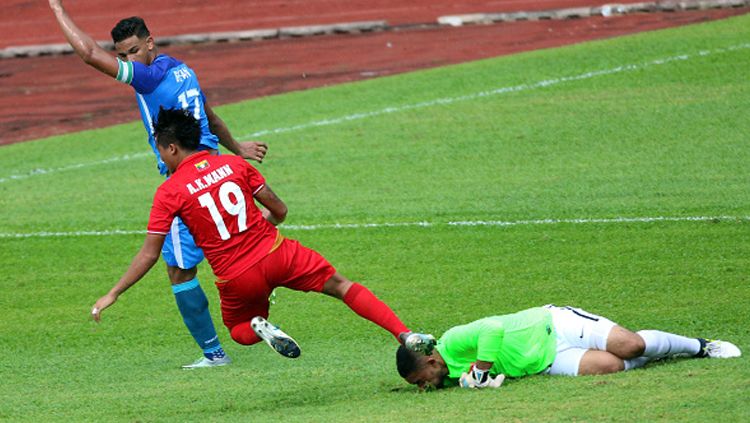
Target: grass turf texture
<point x="663" y="140"/>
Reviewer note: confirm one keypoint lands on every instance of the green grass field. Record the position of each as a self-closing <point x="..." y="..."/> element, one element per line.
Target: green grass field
<point x="599" y="137"/>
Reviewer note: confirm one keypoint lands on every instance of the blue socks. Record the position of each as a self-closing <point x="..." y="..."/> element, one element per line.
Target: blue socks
<point x="193" y="305"/>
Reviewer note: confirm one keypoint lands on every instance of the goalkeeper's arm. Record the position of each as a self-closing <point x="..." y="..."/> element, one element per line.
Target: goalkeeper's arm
<point x="488" y="347"/>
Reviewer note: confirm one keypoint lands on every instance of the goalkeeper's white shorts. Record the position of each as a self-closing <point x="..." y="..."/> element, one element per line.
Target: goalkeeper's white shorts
<point x="577" y="332"/>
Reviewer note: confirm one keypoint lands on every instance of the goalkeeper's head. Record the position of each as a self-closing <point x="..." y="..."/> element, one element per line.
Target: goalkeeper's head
<point x="425" y="371"/>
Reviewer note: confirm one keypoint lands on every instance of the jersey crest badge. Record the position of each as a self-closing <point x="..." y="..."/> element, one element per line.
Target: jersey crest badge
<point x="202" y="165"/>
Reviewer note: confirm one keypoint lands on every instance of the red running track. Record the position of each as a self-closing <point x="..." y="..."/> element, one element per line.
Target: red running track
<point x="27" y="22"/>
<point x="45" y="96"/>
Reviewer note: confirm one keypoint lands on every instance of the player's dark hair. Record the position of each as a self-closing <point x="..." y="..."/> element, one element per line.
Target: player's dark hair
<point x="407" y="361"/>
<point x="177" y="126"/>
<point x="128" y="27"/>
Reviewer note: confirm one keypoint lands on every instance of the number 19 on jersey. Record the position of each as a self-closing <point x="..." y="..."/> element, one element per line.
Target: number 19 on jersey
<point x="235" y="208"/>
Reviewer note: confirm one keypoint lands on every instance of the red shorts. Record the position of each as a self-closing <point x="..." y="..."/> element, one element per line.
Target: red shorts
<point x="291" y="265"/>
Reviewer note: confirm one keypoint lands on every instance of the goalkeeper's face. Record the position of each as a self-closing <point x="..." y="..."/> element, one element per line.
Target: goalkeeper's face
<point x="429" y="375"/>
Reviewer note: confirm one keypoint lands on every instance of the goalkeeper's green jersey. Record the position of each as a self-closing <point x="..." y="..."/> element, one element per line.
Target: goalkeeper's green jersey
<point x="518" y="344"/>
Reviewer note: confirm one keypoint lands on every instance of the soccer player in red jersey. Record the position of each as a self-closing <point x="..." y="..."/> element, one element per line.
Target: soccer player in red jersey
<point x="214" y="195"/>
<point x="159" y="80"/>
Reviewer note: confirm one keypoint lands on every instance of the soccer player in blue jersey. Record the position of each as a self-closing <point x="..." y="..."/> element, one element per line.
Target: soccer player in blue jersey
<point x="163" y="81"/>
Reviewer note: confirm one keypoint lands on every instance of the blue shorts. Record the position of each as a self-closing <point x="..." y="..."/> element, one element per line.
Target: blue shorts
<point x="179" y="248"/>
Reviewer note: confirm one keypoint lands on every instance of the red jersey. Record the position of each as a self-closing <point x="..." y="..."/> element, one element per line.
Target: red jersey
<point x="213" y="195"/>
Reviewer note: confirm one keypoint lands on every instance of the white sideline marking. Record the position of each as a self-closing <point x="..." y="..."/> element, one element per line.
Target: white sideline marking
<point x="498" y="91"/>
<point x="35" y="172"/>
<point x="70" y="234"/>
<point x="397" y="109"/>
<point x="500" y="223"/>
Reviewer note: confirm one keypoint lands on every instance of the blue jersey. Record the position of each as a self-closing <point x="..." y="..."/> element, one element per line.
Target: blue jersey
<point x="170" y="84"/>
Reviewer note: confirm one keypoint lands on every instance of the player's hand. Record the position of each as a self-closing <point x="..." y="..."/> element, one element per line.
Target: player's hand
<point x="477" y="379"/>
<point x="497" y="381"/>
<point x="253" y="150"/>
<point x="101" y="304"/>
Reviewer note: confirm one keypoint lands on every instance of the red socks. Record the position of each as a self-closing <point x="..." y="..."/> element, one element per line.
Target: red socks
<point x="360" y="299"/>
<point x="244" y="334"/>
<point x="363" y="302"/>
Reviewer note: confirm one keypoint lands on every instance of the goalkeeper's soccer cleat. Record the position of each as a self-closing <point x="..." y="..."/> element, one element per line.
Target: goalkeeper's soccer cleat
<point x="207" y="362"/>
<point x="714" y="348"/>
<point x="420" y="342"/>
<point x="275" y="338"/>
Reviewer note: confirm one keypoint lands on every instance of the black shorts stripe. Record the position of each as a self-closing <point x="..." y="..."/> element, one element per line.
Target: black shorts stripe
<point x="585" y="316"/>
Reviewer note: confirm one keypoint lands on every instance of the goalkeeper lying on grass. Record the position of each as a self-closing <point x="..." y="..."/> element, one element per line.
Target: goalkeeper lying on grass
<point x="544" y="340"/>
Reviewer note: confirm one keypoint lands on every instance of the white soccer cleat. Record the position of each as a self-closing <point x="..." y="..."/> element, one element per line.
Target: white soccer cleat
<point x="420" y="342"/>
<point x="715" y="348"/>
<point x="275" y="338"/>
<point x="207" y="362"/>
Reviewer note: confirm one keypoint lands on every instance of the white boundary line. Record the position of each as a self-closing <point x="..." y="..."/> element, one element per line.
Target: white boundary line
<point x="497" y="223"/>
<point x="389" y="110"/>
<point x="36" y="172"/>
<point x="497" y="91"/>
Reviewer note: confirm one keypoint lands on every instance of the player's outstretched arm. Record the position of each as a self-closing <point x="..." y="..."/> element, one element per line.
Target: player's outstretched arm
<point x="84" y="46"/>
<point x="275" y="210"/>
<point x="141" y="264"/>
<point x="249" y="150"/>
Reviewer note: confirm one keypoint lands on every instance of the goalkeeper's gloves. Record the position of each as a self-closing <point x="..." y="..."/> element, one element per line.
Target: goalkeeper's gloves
<point x="478" y="378"/>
